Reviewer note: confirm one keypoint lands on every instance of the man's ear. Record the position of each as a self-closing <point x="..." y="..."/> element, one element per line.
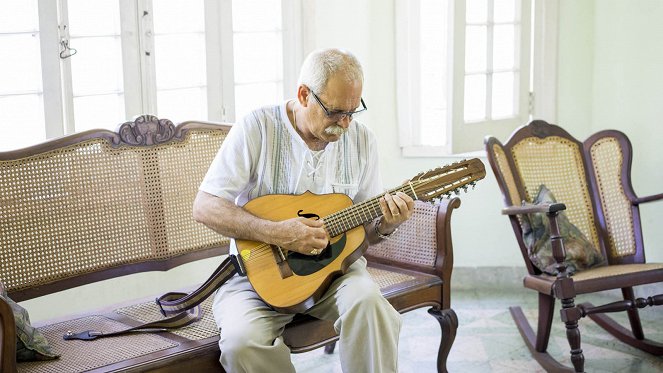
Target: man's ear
<point x="302" y="95"/>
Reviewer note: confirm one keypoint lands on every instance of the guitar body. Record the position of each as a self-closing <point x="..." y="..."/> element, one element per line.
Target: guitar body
<point x="288" y="281"/>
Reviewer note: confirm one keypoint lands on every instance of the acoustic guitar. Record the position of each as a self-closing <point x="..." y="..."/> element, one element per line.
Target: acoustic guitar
<point x="292" y="282"/>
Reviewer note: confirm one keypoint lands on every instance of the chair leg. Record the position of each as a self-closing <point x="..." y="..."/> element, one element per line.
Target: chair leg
<point x="329" y="348"/>
<point x="449" y="324"/>
<point x="625" y="335"/>
<point x="570" y="316"/>
<point x="544" y="359"/>
<point x="633" y="315"/>
<point x="597" y="314"/>
<point x="546" y="310"/>
<point x="564" y="290"/>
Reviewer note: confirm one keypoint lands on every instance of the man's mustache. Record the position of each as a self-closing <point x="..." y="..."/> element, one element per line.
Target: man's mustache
<point x="335" y="130"/>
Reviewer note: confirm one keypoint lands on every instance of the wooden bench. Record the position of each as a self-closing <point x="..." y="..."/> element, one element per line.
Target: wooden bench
<point x="100" y="204"/>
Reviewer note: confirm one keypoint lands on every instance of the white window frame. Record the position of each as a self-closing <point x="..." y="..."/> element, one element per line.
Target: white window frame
<point x="465" y="137"/>
<point x="139" y="73"/>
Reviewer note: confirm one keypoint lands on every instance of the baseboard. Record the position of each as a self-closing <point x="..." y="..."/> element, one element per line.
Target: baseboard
<point x="511" y="278"/>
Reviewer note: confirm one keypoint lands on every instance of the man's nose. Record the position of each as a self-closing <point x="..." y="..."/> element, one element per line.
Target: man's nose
<point x="345" y="121"/>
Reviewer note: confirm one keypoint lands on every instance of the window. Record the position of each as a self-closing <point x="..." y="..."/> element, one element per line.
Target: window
<point x="257" y="38"/>
<point x="180" y="58"/>
<point x="21" y="91"/>
<point x="463" y="71"/>
<point x="93" y="68"/>
<point x="81" y="64"/>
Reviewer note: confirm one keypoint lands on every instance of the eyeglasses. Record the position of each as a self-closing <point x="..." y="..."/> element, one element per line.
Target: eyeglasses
<point x="338" y="115"/>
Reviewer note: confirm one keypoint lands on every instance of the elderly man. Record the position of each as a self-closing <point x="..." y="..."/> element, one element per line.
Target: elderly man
<point x="311" y="143"/>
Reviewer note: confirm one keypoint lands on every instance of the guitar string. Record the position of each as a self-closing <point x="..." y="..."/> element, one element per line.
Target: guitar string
<point x="340" y="220"/>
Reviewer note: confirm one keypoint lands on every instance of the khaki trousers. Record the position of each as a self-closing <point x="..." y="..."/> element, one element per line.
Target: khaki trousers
<point x="251" y="331"/>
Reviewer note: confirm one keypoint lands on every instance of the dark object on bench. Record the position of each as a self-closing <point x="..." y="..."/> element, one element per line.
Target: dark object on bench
<point x="100" y="204"/>
<point x="591" y="180"/>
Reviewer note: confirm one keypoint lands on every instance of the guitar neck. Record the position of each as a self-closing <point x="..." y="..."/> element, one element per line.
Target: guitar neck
<point x="364" y="212"/>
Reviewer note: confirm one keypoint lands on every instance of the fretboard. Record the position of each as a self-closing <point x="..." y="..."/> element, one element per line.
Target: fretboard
<point x="356" y="215"/>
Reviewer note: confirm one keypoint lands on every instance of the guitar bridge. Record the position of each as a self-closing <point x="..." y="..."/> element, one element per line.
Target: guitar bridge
<point x="281" y="261"/>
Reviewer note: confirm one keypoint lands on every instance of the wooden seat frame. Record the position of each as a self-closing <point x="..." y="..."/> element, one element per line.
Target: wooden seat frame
<point x="603" y="165"/>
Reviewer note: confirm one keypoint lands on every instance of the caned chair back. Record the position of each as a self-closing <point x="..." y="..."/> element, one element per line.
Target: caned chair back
<point x="610" y="154"/>
<point x="589" y="178"/>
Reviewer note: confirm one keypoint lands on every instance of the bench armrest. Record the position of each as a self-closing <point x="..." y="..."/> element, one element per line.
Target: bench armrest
<point x="7" y="338"/>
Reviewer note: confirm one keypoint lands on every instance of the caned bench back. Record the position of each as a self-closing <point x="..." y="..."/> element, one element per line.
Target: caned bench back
<point x="74" y="209"/>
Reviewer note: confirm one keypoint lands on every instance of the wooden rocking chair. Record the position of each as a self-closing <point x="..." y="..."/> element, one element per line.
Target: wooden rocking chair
<point x="591" y="182"/>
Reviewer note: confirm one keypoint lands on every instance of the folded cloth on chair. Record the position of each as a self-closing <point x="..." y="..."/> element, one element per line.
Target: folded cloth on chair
<point x="580" y="253"/>
<point x="30" y="342"/>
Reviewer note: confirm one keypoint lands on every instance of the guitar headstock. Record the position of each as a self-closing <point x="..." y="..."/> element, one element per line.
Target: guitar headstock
<point x="443" y="181"/>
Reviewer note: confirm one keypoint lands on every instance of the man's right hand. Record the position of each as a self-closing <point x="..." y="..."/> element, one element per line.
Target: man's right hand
<point x="305" y="236"/>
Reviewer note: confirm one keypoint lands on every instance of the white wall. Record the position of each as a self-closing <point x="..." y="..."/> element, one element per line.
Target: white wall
<point x="610" y="78"/>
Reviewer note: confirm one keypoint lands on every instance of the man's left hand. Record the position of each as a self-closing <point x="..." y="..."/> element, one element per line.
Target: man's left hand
<point x="396" y="209"/>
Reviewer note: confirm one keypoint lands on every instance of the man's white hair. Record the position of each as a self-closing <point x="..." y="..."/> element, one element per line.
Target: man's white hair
<point x="322" y="64"/>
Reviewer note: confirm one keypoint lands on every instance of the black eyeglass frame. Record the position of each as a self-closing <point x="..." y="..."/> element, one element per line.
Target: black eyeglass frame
<point x="338" y="115"/>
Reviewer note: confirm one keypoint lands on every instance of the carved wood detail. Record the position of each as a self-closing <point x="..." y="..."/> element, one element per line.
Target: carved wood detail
<point x="147" y="130"/>
<point x="540" y="129"/>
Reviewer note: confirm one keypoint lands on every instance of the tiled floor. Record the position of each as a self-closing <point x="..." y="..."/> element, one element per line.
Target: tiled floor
<point x="488" y="341"/>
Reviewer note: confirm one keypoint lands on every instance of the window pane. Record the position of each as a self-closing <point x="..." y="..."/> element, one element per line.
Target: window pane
<point x="103" y="111"/>
<point x="475" y="97"/>
<point x="21" y="100"/>
<point x="475" y="49"/>
<point x="503" y="95"/>
<point x="97" y="65"/>
<point x="176" y="16"/>
<point x="476" y="11"/>
<point x="180" y="60"/>
<point x="433" y="72"/>
<point x="433" y="126"/>
<point x="18" y="16"/>
<point x="21" y="121"/>
<point x="20" y="72"/>
<point x="505" y="11"/>
<point x="256" y="15"/>
<point x="257" y="53"/>
<point x="99" y="17"/>
<point x="504" y="52"/>
<point x="252" y="96"/>
<point x="183" y="104"/>
<point x="96" y="68"/>
<point x="258" y="57"/>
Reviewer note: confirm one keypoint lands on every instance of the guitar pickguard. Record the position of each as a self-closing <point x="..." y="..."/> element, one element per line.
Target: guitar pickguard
<point x="303" y="265"/>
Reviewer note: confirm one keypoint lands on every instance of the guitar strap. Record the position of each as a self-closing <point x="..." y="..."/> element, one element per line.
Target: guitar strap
<point x="182" y="308"/>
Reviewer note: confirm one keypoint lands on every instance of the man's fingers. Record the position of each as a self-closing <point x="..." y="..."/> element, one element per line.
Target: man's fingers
<point x="392" y="206"/>
<point x="316" y="223"/>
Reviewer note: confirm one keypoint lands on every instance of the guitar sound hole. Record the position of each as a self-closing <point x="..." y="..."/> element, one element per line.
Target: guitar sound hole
<point x="303" y="265"/>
